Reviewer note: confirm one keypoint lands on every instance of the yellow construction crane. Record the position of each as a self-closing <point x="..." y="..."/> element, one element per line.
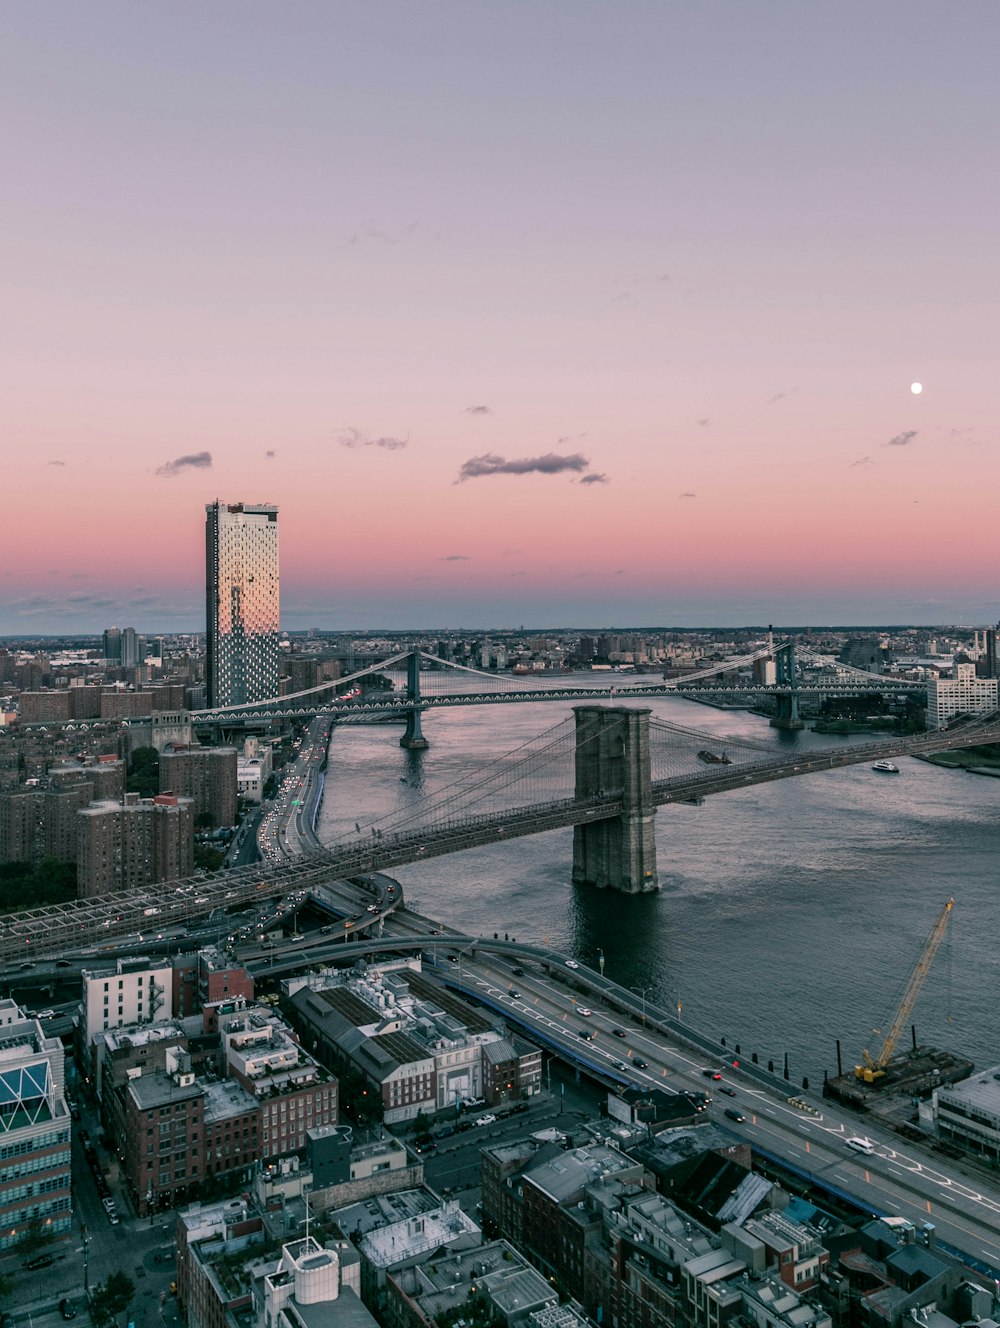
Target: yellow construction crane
<point x="874" y="1068"/>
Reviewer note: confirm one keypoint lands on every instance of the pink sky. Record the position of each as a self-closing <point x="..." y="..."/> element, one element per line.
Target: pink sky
<point x="707" y="250"/>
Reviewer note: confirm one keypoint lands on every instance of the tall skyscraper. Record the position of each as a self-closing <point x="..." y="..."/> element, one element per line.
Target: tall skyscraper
<point x="241" y="594"/>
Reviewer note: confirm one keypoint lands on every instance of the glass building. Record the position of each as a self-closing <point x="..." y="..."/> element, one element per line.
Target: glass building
<point x="241" y="594"/>
<point x="34" y="1132"/>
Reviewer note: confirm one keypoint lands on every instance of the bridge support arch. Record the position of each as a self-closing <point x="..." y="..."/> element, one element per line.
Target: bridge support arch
<point x="413" y="735"/>
<point x="612" y="758"/>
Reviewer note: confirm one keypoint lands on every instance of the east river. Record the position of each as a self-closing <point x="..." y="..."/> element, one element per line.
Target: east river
<point x="789" y="914"/>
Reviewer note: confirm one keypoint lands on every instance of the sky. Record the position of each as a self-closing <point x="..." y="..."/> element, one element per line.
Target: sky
<point x="550" y="313"/>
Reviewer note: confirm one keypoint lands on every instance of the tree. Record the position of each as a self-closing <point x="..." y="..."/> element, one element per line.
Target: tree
<point x="204" y="821"/>
<point x="36" y="1234"/>
<point x="144" y="772"/>
<point x="208" y="858"/>
<point x="112" y="1297"/>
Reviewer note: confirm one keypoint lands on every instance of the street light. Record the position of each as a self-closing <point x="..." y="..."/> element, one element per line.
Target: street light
<point x="642" y="991"/>
<point x="85" y="1237"/>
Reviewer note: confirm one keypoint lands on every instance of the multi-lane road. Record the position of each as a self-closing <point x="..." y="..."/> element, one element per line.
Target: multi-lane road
<point x="893" y="1180"/>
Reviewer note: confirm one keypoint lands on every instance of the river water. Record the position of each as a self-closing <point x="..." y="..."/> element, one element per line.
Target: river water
<point x="789" y="915"/>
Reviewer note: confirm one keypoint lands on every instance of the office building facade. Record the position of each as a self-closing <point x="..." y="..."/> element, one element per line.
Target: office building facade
<point x="242" y="602"/>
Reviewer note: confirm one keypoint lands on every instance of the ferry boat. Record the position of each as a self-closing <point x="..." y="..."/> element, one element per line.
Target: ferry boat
<point x="711" y="758"/>
<point x="886" y="768"/>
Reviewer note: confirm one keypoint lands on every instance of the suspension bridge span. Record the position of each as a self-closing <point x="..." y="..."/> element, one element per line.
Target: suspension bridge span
<point x="604" y="773"/>
<point x="408" y="684"/>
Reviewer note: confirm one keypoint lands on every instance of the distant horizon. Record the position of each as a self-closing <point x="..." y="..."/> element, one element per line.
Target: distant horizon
<point x="596" y="630"/>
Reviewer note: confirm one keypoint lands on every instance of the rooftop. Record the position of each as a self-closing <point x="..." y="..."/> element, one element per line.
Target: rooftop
<point x="981" y="1091"/>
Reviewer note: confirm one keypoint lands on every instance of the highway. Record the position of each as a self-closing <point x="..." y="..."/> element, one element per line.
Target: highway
<point x="896" y="1180"/>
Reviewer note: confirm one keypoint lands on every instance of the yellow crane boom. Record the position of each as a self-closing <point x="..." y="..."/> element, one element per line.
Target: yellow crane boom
<point x="874" y="1068"/>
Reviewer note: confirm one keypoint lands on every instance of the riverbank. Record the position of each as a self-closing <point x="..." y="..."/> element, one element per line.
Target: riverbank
<point x="983" y="760"/>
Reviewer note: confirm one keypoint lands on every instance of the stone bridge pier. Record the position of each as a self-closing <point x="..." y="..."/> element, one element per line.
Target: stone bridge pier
<point x="612" y="758"/>
<point x="413" y="734"/>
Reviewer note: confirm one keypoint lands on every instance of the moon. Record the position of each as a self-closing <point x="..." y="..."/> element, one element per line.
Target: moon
<point x="916" y="388"/>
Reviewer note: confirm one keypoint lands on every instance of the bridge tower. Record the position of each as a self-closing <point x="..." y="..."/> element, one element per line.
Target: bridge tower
<point x="612" y="758"/>
<point x="413" y="735"/>
<point x="787" y="713"/>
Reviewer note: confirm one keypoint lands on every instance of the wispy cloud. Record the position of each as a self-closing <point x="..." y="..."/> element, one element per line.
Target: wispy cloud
<point x="902" y="439"/>
<point x="192" y="461"/>
<point x="57" y="463"/>
<point x="270" y="453"/>
<point x="477" y="410"/>
<point x="705" y="421"/>
<point x="595" y="477"/>
<point x="687" y="494"/>
<point x="357" y="438"/>
<point x="778" y="396"/>
<point x="549" y="464"/>
<point x="862" y="461"/>
<point x="455" y="558"/>
<point x="369" y="232"/>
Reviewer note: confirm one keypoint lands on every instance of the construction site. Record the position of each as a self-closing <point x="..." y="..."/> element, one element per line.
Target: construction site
<point x="889" y="1082"/>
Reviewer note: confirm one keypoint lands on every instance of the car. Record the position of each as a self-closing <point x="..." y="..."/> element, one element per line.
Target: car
<point x="619" y="1065"/>
<point x="67" y="1309"/>
<point x="712" y="1074"/>
<point x="861" y="1145"/>
<point x="435" y="932"/>
<point x="39" y="1261"/>
<point x="452" y="959"/>
<point x="445" y="1131"/>
<point x="639" y="1063"/>
<point x="45" y="1014"/>
<point x="619" y="1032"/>
<point x="514" y="994"/>
<point x="26" y="965"/>
<point x="735" y="1114"/>
<point x="373" y="908"/>
<point x="109" y="1205"/>
<point x="587" y="1033"/>
<point x="518" y="972"/>
<point x="729" y="1092"/>
<point x="488" y="1119"/>
<point x="571" y="963"/>
<point x="63" y="963"/>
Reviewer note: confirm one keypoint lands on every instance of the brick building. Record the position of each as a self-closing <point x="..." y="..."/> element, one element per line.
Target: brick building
<point x="139" y="841"/>
<point x="205" y="774"/>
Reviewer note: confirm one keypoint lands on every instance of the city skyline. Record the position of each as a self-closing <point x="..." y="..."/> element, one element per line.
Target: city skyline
<point x="567" y="321"/>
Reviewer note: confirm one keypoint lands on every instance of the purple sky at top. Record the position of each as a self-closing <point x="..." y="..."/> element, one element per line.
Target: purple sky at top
<point x="550" y="313"/>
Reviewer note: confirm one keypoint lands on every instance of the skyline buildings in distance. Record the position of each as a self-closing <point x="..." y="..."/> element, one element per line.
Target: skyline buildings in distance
<point x="242" y="607"/>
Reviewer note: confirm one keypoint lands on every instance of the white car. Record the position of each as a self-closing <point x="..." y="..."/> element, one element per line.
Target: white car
<point x="571" y="963"/>
<point x="861" y="1145"/>
<point x="585" y="1012"/>
<point x="486" y="1120"/>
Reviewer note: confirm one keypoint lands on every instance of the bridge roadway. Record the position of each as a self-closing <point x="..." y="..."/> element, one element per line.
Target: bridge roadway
<point x="395" y="705"/>
<point x="36" y="933"/>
